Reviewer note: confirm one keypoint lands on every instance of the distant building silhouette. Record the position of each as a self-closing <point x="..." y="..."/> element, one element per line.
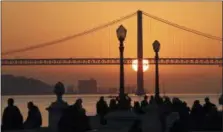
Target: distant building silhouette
<point x="113" y="90"/>
<point x="130" y="89"/>
<point x="87" y="86"/>
<point x="70" y="89"/>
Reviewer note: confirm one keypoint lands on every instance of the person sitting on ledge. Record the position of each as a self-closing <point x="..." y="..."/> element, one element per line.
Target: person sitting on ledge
<point x="34" y="119"/>
<point x="12" y="118"/>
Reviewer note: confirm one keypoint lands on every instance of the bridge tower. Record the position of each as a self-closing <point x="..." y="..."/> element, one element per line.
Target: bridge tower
<point x="140" y="80"/>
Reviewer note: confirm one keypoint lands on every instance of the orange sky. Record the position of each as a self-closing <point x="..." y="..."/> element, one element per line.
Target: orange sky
<point x="29" y="23"/>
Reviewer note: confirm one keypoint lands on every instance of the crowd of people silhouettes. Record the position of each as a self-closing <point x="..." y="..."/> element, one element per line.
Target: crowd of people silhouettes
<point x="74" y="118"/>
<point x="198" y="118"/>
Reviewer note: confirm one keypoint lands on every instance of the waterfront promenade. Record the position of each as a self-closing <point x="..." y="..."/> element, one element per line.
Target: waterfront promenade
<point x="96" y="127"/>
<point x="155" y="115"/>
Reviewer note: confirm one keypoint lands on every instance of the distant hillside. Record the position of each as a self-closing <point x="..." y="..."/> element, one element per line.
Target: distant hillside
<point x="12" y="85"/>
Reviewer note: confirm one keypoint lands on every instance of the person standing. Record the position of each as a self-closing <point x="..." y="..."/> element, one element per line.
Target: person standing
<point x="102" y="109"/>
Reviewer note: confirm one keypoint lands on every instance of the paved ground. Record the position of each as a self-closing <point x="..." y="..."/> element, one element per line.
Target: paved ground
<point x="96" y="128"/>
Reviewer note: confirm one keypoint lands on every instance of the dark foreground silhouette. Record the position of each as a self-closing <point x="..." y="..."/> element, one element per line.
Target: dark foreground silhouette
<point x="74" y="119"/>
<point x="34" y="119"/>
<point x="102" y="110"/>
<point x="12" y="118"/>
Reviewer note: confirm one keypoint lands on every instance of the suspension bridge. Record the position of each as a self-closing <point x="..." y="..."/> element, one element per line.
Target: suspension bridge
<point x="214" y="60"/>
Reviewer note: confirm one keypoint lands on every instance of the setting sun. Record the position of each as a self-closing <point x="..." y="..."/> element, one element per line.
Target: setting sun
<point x="145" y="65"/>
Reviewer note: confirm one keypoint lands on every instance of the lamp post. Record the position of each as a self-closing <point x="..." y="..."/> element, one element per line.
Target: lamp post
<point x="220" y="100"/>
<point x="156" y="48"/>
<point x="221" y="103"/>
<point x="121" y="34"/>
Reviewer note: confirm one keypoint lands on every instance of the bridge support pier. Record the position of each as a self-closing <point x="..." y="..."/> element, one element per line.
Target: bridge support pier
<point x="140" y="80"/>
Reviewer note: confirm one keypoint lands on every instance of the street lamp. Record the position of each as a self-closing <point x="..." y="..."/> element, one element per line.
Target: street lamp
<point x="156" y="48"/>
<point x="121" y="34"/>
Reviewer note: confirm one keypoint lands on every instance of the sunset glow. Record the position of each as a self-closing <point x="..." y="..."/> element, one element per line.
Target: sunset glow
<point x="27" y="24"/>
<point x="145" y="65"/>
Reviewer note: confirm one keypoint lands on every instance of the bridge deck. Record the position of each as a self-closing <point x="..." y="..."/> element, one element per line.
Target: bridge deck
<point x="110" y="61"/>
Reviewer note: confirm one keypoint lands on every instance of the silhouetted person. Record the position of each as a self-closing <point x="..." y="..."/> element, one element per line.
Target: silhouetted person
<point x="136" y="127"/>
<point x="126" y="102"/>
<point x="162" y="112"/>
<point x="78" y="105"/>
<point x="167" y="110"/>
<point x="144" y="103"/>
<point x="82" y="120"/>
<point x="213" y="120"/>
<point x="185" y="115"/>
<point x="186" y="107"/>
<point x="67" y="121"/>
<point x="34" y="119"/>
<point x="74" y="119"/>
<point x="136" y="108"/>
<point x="197" y="116"/>
<point x="152" y="100"/>
<point x="118" y="102"/>
<point x="159" y="100"/>
<point x="12" y="118"/>
<point x="129" y="100"/>
<point x="167" y="106"/>
<point x="102" y="109"/>
<point x="208" y="106"/>
<point x="112" y="105"/>
<point x="176" y="104"/>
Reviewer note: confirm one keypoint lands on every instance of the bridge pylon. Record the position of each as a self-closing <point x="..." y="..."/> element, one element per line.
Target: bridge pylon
<point x="140" y="80"/>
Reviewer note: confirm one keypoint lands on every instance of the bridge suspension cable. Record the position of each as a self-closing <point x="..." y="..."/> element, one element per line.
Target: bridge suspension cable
<point x="183" y="27"/>
<point x="69" y="37"/>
